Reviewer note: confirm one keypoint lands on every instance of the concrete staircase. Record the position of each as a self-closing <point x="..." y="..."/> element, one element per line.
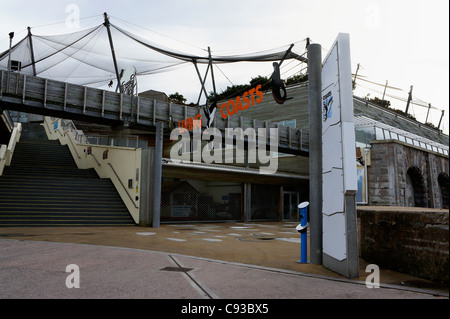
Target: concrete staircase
<point x="44" y="187"/>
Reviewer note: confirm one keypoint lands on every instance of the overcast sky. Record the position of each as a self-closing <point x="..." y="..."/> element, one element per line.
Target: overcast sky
<point x="404" y="42"/>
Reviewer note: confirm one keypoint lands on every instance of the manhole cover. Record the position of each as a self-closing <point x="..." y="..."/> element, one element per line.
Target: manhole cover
<point x="176" y="269"/>
<point x="265" y="238"/>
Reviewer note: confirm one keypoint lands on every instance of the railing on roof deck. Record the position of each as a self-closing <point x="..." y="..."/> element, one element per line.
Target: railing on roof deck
<point x="383" y="134"/>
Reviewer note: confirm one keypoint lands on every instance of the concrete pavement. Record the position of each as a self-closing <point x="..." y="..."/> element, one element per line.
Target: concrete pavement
<point x="185" y="261"/>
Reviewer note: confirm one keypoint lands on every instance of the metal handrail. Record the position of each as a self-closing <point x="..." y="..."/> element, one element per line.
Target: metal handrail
<point x="94" y="139"/>
<point x="70" y="123"/>
<point x="74" y="148"/>
<point x="95" y="158"/>
<point x="120" y="181"/>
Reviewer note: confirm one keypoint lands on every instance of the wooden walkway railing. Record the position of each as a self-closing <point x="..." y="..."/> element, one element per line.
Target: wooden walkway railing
<point x="37" y="95"/>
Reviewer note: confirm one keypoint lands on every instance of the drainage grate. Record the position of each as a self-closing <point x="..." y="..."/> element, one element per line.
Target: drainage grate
<point x="178" y="269"/>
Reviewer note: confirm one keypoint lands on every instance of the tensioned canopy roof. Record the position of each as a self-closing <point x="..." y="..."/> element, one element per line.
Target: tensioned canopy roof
<point x="85" y="57"/>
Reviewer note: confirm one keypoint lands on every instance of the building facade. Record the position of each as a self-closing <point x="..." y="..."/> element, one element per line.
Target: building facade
<point x="400" y="162"/>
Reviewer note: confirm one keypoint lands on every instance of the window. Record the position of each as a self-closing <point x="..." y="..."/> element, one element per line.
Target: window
<point x="16" y="65"/>
<point x="379" y="133"/>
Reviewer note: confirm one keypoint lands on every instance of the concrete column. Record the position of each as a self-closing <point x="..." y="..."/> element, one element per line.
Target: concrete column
<point x="352" y="236"/>
<point x="247" y="202"/>
<point x="146" y="185"/>
<point x="157" y="175"/>
<point x="315" y="151"/>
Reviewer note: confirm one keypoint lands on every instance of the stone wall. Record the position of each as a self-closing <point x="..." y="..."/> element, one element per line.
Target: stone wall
<point x="409" y="240"/>
<point x="398" y="172"/>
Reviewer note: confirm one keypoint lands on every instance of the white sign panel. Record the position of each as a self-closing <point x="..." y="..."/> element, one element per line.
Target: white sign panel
<point x="333" y="188"/>
<point x="333" y="160"/>
<point x="338" y="146"/>
<point x="332" y="233"/>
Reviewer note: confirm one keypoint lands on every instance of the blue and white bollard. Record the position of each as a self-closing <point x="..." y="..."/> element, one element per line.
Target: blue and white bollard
<point x="302" y="229"/>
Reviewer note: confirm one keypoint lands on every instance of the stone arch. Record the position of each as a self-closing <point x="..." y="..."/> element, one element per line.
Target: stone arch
<point x="415" y="188"/>
<point x="443" y="186"/>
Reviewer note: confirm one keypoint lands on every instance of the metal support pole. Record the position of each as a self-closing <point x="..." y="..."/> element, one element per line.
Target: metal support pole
<point x="11" y="36"/>
<point x="212" y="71"/>
<point x="315" y="150"/>
<point x="439" y="125"/>
<point x="202" y="82"/>
<point x="409" y="99"/>
<point x="106" y="24"/>
<point x="384" y="92"/>
<point x="354" y="80"/>
<point x="428" y="112"/>
<point x="157" y="175"/>
<point x="33" y="62"/>
<point x="247" y="202"/>
<point x="286" y="54"/>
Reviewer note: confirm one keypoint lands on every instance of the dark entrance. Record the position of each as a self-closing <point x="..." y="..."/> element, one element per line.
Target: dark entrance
<point x="416" y="184"/>
<point x="443" y="185"/>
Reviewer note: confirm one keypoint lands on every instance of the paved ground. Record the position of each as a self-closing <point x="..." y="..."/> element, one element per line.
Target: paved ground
<point x="183" y="261"/>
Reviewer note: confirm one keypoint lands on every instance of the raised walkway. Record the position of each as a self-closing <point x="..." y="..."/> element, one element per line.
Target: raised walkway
<point x="31" y="94"/>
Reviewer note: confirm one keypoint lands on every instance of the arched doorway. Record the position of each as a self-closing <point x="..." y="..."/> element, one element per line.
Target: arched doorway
<point x="415" y="188"/>
<point x="443" y="186"/>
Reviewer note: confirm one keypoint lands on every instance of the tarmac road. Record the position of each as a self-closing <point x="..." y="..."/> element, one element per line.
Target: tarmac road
<point x="187" y="262"/>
